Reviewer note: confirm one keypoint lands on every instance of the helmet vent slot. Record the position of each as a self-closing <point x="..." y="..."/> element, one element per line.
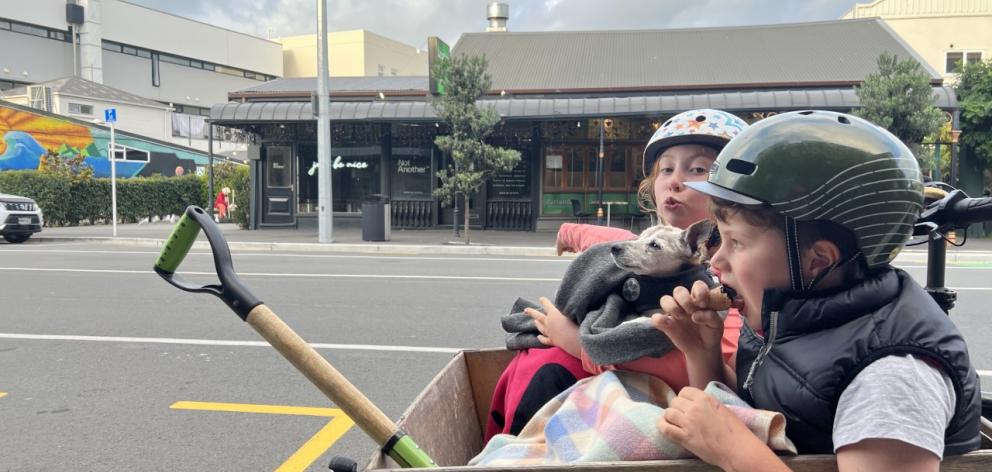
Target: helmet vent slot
<point x="701" y="118"/>
<point x="738" y="166"/>
<point x="843" y="119"/>
<point x="807" y="112"/>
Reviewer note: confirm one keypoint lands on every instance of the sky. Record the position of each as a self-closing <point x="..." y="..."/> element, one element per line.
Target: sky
<point x="412" y="21"/>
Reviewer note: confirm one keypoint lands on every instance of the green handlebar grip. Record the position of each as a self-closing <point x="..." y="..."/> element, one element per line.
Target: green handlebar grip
<point x="177" y="246"/>
<point x="408" y="454"/>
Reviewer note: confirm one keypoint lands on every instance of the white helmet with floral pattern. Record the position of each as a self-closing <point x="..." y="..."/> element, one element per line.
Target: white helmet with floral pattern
<point x="705" y="126"/>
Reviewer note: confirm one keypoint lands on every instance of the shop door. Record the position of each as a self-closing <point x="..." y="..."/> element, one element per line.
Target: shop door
<point x="279" y="197"/>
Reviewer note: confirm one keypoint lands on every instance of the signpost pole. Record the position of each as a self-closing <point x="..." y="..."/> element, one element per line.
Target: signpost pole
<point x="110" y="116"/>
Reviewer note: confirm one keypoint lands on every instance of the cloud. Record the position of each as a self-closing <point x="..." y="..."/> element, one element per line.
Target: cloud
<point x="412" y="21"/>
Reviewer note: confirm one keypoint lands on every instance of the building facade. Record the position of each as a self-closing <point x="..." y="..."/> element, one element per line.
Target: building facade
<point x="580" y="116"/>
<point x="182" y="64"/>
<point x="354" y="53"/>
<point x="945" y="33"/>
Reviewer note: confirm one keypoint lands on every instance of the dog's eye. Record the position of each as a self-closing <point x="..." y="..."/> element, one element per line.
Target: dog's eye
<point x="654" y="245"/>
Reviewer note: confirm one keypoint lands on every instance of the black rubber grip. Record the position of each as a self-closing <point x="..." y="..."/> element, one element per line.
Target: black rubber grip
<point x="971" y="210"/>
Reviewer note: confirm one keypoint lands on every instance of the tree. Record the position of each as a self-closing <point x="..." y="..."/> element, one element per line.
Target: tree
<point x="974" y="92"/>
<point x="472" y="160"/>
<point x="67" y="161"/>
<point x="899" y="98"/>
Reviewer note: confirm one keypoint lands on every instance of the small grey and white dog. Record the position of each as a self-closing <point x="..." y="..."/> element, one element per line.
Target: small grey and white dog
<point x="664" y="250"/>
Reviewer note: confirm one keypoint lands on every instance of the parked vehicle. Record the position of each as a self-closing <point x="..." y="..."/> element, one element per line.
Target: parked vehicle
<point x="20" y="217"/>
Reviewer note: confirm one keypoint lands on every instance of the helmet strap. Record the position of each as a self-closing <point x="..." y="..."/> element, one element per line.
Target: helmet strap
<point x="795" y="259"/>
<point x="792" y="249"/>
<point x="836" y="265"/>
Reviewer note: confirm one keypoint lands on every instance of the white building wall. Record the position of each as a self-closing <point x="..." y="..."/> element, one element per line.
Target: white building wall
<point x="152" y="29"/>
<point x="50" y="13"/>
<point x="146" y="121"/>
<point x="42" y="59"/>
<point x="204" y="88"/>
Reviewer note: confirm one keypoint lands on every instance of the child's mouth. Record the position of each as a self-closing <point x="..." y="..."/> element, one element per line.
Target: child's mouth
<point x="671" y="203"/>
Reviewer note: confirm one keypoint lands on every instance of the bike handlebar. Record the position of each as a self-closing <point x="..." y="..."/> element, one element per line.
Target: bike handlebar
<point x="954" y="211"/>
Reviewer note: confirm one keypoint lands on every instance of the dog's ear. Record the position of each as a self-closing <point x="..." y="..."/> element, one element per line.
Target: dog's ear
<point x="697" y="235"/>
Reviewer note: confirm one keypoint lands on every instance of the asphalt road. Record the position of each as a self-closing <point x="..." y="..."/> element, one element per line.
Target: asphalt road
<point x="96" y="351"/>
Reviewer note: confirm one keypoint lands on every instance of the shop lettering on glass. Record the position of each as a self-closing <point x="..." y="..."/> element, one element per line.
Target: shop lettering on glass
<point x="406" y="166"/>
<point x="512" y="184"/>
<point x="339" y="163"/>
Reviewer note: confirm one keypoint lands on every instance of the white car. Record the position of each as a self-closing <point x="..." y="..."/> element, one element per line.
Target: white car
<point x="20" y="217"/>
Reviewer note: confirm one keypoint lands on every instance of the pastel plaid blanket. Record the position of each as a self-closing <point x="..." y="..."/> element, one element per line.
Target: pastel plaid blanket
<point x="613" y="417"/>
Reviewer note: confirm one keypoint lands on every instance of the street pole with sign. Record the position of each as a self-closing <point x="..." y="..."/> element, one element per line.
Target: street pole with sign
<point x="110" y="116"/>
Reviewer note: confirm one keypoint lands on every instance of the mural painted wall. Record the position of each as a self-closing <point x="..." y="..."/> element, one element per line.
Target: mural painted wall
<point x="26" y="136"/>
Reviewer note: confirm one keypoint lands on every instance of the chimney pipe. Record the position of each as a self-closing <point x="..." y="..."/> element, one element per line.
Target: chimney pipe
<point x="497" y="13"/>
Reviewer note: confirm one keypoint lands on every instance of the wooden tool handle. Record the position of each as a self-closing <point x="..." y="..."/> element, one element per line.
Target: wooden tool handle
<point x="337" y="388"/>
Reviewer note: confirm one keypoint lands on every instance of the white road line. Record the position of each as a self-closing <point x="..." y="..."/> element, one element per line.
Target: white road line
<point x="948" y="267"/>
<point x="271" y="274"/>
<point x="315" y="256"/>
<point x="220" y="342"/>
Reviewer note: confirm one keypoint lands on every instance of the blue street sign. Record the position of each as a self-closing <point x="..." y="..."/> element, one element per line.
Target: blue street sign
<point x="110" y="115"/>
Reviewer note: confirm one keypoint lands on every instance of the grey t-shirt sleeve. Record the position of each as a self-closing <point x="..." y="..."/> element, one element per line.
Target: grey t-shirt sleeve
<point x="896" y="397"/>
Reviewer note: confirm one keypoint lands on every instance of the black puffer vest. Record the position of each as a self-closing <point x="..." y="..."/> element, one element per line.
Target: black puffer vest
<point x="817" y="343"/>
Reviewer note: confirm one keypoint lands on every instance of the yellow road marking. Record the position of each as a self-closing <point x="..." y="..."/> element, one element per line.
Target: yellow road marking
<point x="251" y="408"/>
<point x="317" y="445"/>
<point x="309" y="451"/>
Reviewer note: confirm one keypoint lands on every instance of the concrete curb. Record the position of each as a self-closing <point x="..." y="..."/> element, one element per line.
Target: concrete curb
<point x="333" y="248"/>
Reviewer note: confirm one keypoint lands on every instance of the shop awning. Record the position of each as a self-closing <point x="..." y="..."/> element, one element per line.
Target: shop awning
<point x="235" y="113"/>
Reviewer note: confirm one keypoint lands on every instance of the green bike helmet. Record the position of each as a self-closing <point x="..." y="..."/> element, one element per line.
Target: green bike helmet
<point x="827" y="166"/>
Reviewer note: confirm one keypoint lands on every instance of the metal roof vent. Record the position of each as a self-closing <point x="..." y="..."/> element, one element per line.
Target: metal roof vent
<point x="497" y="13"/>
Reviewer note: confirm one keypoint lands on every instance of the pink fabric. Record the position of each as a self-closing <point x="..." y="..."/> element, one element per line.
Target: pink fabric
<point x="578" y="237"/>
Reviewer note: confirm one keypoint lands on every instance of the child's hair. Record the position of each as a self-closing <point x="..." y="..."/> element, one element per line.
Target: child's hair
<point x="809" y="232"/>
<point x="645" y="190"/>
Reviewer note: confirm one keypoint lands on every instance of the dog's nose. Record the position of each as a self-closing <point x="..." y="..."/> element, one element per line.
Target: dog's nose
<point x="616" y="250"/>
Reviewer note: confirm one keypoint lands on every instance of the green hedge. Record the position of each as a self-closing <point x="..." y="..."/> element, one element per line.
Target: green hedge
<point x="67" y="203"/>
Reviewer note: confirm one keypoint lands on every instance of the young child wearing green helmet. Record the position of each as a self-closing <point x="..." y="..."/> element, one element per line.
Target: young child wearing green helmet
<point x="812" y="207"/>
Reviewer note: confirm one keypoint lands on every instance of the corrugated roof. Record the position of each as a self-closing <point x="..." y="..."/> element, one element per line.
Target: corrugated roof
<point x="552" y="108"/>
<point x="81" y="87"/>
<point x="801" y="54"/>
<point x="343" y="84"/>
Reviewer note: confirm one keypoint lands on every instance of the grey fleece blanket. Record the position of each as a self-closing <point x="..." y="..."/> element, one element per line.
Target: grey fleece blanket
<point x="609" y="304"/>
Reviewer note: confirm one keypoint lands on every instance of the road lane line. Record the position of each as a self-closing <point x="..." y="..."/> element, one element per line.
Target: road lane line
<point x="277" y="274"/>
<point x="219" y="342"/>
<point x="309" y="255"/>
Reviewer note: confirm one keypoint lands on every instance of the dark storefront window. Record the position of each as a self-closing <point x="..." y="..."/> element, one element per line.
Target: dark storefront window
<point x="571" y="160"/>
<point x="412" y="155"/>
<point x="356" y="151"/>
<point x="411" y="179"/>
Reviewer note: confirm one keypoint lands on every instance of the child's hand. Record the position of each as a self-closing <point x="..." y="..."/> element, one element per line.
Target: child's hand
<point x="686" y="321"/>
<point x="704" y="426"/>
<point x="556" y="329"/>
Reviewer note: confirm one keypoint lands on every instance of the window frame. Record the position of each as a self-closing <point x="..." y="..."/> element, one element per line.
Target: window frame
<point x="80" y="109"/>
<point x="963" y="60"/>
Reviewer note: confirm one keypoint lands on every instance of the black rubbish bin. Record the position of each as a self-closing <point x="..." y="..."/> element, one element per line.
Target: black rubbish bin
<point x="376" y="218"/>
